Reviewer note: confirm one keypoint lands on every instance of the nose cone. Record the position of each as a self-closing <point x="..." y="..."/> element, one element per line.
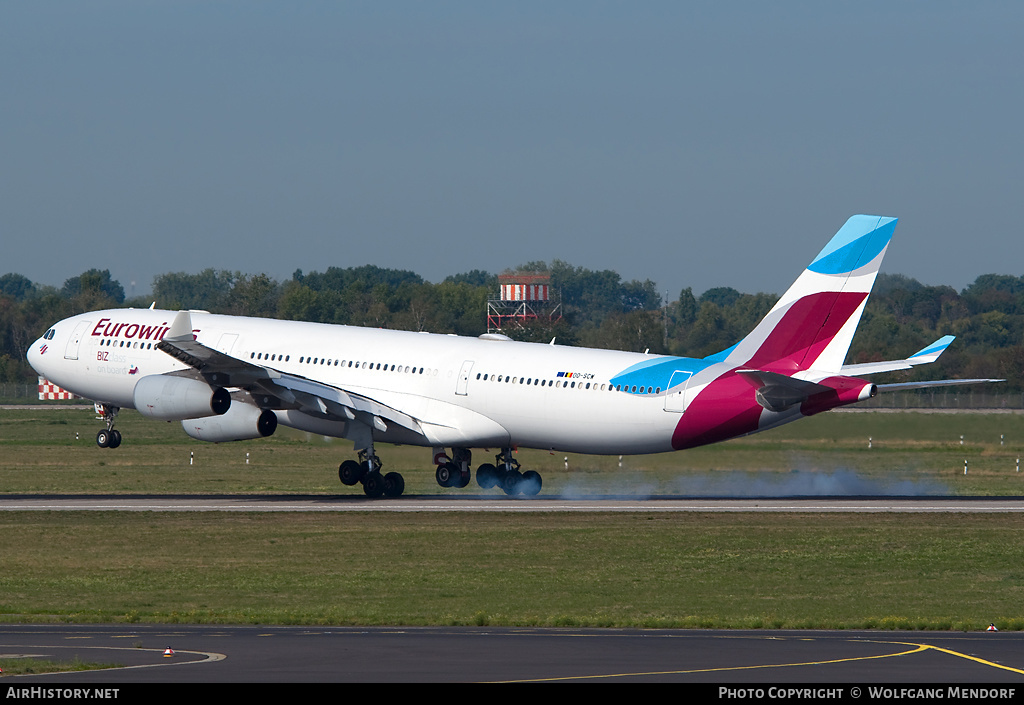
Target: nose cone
<point x="39" y="355"/>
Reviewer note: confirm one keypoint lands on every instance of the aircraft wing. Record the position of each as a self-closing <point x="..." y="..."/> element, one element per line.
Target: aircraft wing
<point x="921" y="357"/>
<point x="274" y="389"/>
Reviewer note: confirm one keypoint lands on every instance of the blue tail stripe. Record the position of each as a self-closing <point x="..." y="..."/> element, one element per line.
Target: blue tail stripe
<point x="858" y="242"/>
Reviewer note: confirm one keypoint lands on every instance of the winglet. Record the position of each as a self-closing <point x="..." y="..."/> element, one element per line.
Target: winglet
<point x="932" y="352"/>
<point x="181" y="327"/>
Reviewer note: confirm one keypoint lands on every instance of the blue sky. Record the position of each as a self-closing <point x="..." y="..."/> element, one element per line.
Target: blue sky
<point x="695" y="144"/>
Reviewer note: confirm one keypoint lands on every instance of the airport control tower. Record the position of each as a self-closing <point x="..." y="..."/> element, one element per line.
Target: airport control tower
<point x="523" y="299"/>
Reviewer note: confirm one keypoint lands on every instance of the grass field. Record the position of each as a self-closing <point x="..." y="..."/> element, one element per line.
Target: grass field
<point x="945" y="571"/>
<point x="910" y="453"/>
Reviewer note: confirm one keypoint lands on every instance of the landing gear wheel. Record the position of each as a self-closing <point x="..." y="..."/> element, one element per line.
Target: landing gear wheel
<point x="350" y="473"/>
<point x="108" y="437"/>
<point x="446" y="475"/>
<point x="531" y="483"/>
<point x="510" y="482"/>
<point x="394" y="484"/>
<point x="487" y="476"/>
<point x="373" y="485"/>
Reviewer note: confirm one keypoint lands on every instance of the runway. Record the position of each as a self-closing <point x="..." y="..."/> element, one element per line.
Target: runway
<point x="259" y="654"/>
<point x="490" y="503"/>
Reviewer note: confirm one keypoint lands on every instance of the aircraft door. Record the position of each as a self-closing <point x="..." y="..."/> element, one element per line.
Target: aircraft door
<point x="675" y="399"/>
<point x="227" y="341"/>
<point x="462" y="387"/>
<point x="71" y="351"/>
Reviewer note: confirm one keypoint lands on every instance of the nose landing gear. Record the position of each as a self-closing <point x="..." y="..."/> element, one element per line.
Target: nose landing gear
<point x="109" y="437"/>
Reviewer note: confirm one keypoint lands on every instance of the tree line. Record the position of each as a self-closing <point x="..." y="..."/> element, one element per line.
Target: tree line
<point x="598" y="309"/>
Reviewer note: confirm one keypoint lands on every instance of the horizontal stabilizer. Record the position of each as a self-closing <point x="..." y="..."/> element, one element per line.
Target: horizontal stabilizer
<point x="921" y="357"/>
<point x="932" y="383"/>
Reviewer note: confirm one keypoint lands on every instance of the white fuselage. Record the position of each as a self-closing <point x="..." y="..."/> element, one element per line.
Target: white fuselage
<point x="469" y="392"/>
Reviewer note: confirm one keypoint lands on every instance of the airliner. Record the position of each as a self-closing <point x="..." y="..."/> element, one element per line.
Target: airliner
<point x="229" y="378"/>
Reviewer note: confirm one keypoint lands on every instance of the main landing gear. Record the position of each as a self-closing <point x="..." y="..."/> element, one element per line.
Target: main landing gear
<point x="368" y="471"/>
<point x="109" y="437"/>
<point x="451" y="472"/>
<point x="505" y="473"/>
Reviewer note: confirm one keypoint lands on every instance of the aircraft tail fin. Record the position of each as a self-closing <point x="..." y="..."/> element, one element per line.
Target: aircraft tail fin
<point x="813" y="323"/>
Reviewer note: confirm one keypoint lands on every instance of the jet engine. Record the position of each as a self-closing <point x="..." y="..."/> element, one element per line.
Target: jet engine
<point x="174" y="398"/>
<point x="241" y="422"/>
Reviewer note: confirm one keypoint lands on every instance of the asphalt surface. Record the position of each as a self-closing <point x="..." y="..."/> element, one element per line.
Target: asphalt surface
<point x="492" y="503"/>
<point x="256" y="654"/>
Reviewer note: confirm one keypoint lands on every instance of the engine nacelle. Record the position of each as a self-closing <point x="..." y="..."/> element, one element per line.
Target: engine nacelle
<point x="175" y="398"/>
<point x="241" y="422"/>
